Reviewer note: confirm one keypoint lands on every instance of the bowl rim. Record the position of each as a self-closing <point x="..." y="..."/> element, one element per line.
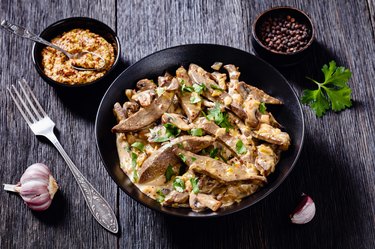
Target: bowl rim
<point x="256" y="22"/>
<point x="59" y="22"/>
<point x="212" y="214"/>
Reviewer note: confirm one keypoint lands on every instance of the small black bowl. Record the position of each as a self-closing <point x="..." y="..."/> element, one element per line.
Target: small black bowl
<point x="282" y="59"/>
<point x="68" y="24"/>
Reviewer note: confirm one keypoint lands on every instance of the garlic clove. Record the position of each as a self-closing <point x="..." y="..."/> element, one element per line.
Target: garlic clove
<point x="304" y="212"/>
<point x="37" y="187"/>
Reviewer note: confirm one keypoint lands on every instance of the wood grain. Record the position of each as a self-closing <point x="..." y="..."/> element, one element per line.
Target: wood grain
<point x="336" y="166"/>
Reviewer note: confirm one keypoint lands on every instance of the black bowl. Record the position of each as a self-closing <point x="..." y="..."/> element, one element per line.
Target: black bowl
<point x="281" y="59"/>
<point x="253" y="70"/>
<point x="68" y="24"/>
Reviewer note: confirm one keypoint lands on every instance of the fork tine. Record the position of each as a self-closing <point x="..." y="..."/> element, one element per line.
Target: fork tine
<point x="28" y="98"/>
<point x="34" y="98"/>
<point x="25" y="107"/>
<point x="19" y="107"/>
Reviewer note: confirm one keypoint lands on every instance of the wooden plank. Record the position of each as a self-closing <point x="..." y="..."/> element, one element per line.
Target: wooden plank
<point x="335" y="166"/>
<point x="68" y="223"/>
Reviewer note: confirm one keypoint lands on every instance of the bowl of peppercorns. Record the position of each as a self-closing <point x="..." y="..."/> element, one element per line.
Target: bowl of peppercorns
<point x="283" y="35"/>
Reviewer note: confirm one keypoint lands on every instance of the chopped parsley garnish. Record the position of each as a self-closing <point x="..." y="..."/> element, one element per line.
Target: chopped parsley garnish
<point x="240" y="147"/>
<point x="215" y="87"/>
<point x="195" y="99"/>
<point x="198" y="132"/>
<point x="213" y="153"/>
<point x="134" y="160"/>
<point x="170" y="131"/>
<point x="134" y="166"/>
<point x="180" y="146"/>
<point x="161" y="196"/>
<point x="183" y="157"/>
<point x="185" y="88"/>
<point x="199" y="88"/>
<point x="262" y="108"/>
<point x="219" y="117"/>
<point x="169" y="173"/>
<point x="179" y="184"/>
<point x="138" y="145"/>
<point x="193" y="159"/>
<point x="135" y="175"/>
<point x="194" y="183"/>
<point x="334" y="93"/>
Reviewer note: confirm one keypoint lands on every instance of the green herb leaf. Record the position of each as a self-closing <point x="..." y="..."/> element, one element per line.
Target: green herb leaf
<point x="219" y="117"/>
<point x="262" y="108"/>
<point x="195" y="99"/>
<point x="199" y="88"/>
<point x="334" y="93"/>
<point x="172" y="130"/>
<point x="194" y="183"/>
<point x="179" y="184"/>
<point x="161" y="196"/>
<point x="215" y="87"/>
<point x="213" y="152"/>
<point x="198" y="132"/>
<point x="240" y="147"/>
<point x="135" y="175"/>
<point x="140" y="146"/>
<point x="180" y="146"/>
<point x="183" y="157"/>
<point x="185" y="88"/>
<point x="134" y="160"/>
<point x="193" y="159"/>
<point x="169" y="173"/>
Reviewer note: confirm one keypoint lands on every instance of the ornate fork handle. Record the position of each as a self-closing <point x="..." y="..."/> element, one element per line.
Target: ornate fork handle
<point x="97" y="205"/>
<point x="25" y="33"/>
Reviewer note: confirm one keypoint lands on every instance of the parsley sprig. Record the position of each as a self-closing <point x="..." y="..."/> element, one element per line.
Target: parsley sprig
<point x="334" y="93"/>
<point x="219" y="117"/>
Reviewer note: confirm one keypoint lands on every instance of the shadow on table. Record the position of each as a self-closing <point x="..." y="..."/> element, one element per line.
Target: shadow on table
<point x="267" y="225"/>
<point x="56" y="212"/>
<point x="85" y="101"/>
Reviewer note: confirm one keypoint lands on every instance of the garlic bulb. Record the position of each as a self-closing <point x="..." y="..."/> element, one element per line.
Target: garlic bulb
<point x="304" y="212"/>
<point x="36" y="187"/>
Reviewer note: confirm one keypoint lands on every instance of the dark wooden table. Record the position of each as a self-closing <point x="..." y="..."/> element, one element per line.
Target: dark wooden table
<point x="336" y="166"/>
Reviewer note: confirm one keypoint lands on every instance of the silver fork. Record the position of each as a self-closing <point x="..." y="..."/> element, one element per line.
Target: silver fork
<point x="42" y="125"/>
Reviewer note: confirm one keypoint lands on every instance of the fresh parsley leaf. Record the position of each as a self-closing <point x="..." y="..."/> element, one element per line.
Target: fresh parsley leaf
<point x="179" y="145"/>
<point x="134" y="160"/>
<point x="172" y="130"/>
<point x="198" y="132"/>
<point x="185" y="88"/>
<point x="134" y="166"/>
<point x="240" y="147"/>
<point x="161" y="139"/>
<point x="215" y="87"/>
<point x="194" y="183"/>
<point x="139" y="145"/>
<point x="262" y="108"/>
<point x="193" y="159"/>
<point x="334" y="93"/>
<point x="169" y="173"/>
<point x="182" y="156"/>
<point x="135" y="175"/>
<point x="213" y="152"/>
<point x="199" y="88"/>
<point x="195" y="99"/>
<point x="219" y="117"/>
<point x="161" y="196"/>
<point x="179" y="184"/>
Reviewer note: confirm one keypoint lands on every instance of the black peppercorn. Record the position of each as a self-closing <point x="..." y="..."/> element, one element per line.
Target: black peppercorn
<point x="284" y="34"/>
